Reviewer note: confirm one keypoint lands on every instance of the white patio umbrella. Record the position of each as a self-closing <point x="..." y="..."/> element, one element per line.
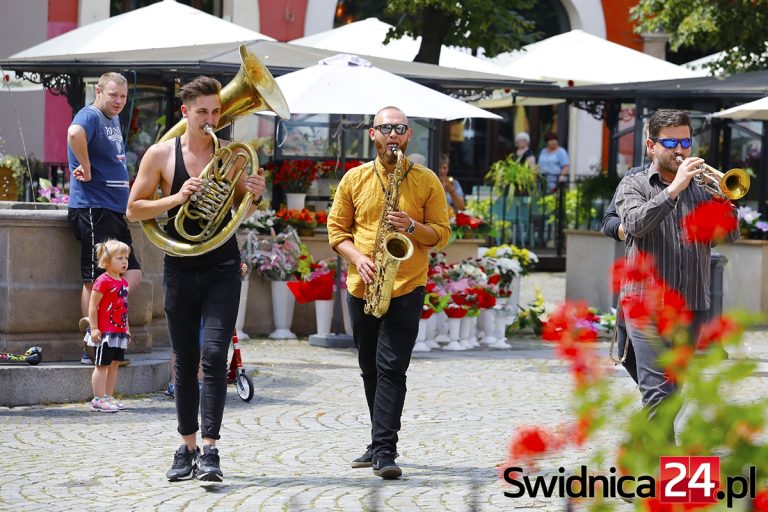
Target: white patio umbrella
<point x="579" y="58"/>
<point x="164" y="24"/>
<point x="366" y="37"/>
<point x="348" y="84"/>
<point x="754" y="110"/>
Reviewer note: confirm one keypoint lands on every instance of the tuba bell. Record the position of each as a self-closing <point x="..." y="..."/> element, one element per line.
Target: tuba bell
<point x="253" y="89"/>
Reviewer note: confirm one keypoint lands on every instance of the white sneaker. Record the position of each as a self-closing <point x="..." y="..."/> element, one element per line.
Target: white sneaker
<point x="117" y="403"/>
<point x="99" y="405"/>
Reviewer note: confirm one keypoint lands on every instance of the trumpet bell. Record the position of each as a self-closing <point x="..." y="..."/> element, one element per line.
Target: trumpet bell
<point x="735" y="184"/>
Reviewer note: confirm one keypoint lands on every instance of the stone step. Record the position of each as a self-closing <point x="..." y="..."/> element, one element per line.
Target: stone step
<point x="60" y="382"/>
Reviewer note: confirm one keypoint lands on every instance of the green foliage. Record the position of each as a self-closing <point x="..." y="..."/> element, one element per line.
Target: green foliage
<point x="738" y="27"/>
<point x="576" y="213"/>
<point x="495" y="25"/>
<point x="508" y="171"/>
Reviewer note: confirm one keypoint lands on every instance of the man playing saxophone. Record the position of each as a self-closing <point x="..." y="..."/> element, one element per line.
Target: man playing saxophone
<point x="201" y="291"/>
<point x="390" y="194"/>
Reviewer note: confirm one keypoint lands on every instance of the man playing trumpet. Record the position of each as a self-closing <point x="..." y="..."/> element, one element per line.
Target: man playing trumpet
<point x="199" y="290"/>
<point x="651" y="205"/>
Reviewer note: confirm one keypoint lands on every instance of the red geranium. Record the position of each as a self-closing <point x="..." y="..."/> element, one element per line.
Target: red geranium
<point x="455" y="311"/>
<point x="295" y="175"/>
<point x="709" y="222"/>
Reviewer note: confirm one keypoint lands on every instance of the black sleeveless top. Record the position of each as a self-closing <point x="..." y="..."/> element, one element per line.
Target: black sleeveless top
<point x="226" y="253"/>
<point x="526" y="154"/>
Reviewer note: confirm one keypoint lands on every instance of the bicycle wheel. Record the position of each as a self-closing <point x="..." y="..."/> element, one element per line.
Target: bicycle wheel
<point x="244" y="386"/>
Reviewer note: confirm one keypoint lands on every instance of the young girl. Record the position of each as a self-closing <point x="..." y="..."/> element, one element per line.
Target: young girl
<point x="108" y="316"/>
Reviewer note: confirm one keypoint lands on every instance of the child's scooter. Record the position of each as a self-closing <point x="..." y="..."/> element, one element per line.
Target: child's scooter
<point x="243" y="383"/>
<point x="32" y="356"/>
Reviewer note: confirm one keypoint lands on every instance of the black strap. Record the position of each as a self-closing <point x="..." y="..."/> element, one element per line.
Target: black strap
<point x="381" y="182"/>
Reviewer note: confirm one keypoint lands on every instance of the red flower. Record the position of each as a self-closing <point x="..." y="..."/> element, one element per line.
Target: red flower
<point x="321" y="217"/>
<point x="674" y="313"/>
<point x="716" y="330"/>
<point x="641" y="268"/>
<point x="530" y="441"/>
<point x="455" y="312"/>
<point x="709" y="222"/>
<point x="464" y="220"/>
<point x="761" y="501"/>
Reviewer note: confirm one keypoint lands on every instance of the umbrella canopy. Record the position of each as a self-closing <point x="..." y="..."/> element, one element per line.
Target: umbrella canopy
<point x="754" y="110"/>
<point x="164" y="24"/>
<point x="366" y="37"/>
<point x="348" y="84"/>
<point x="579" y="58"/>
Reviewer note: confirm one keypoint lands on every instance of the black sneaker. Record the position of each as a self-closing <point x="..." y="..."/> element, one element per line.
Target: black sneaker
<point x="208" y="471"/>
<point x="385" y="467"/>
<point x="184" y="464"/>
<point x="365" y="460"/>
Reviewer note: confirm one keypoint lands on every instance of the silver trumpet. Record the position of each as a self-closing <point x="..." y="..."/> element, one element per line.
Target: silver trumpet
<point x="731" y="185"/>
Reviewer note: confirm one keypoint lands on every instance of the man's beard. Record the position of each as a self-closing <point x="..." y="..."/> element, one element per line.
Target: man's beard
<point x="386" y="154"/>
<point x="669" y="164"/>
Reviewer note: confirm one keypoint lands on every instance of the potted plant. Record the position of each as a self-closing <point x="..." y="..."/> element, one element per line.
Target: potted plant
<point x="519" y="177"/>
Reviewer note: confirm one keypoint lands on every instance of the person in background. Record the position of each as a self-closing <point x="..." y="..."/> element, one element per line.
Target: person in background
<point x="553" y="163"/>
<point x="453" y="192"/>
<point x="98" y="185"/>
<point x="385" y="344"/>
<point x="108" y="314"/>
<point x="523" y="149"/>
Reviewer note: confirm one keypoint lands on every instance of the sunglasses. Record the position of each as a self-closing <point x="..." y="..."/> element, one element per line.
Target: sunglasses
<point x="672" y="143"/>
<point x="386" y="129"/>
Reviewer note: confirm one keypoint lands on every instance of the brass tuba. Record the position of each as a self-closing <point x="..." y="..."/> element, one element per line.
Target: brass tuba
<point x="391" y="248"/>
<point x="251" y="90"/>
<point x="731" y="185"/>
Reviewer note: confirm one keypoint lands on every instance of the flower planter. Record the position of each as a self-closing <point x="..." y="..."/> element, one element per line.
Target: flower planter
<point x="295" y="200"/>
<point x="241" y="335"/>
<point x="323" y="315"/>
<point x="282" y="310"/>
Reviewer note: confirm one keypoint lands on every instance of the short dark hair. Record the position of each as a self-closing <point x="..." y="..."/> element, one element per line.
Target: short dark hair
<point x="200" y="86"/>
<point x="550" y="136"/>
<point x="666" y="119"/>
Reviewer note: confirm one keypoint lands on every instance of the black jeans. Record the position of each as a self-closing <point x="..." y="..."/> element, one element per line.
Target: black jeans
<point x="209" y="296"/>
<point x="384" y="347"/>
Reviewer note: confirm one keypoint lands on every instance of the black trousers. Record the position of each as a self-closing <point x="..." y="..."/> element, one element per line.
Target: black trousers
<point x="210" y="296"/>
<point x="384" y="347"/>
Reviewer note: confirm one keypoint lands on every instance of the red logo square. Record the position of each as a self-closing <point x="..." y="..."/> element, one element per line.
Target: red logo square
<point x="689" y="479"/>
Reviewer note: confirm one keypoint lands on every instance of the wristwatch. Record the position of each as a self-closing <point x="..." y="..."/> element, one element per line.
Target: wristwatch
<point x="411" y="228"/>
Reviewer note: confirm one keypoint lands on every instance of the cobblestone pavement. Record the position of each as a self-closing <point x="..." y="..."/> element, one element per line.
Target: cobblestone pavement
<point x="289" y="448"/>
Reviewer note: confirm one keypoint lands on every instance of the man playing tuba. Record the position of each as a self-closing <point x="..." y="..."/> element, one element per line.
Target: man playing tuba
<point x="387" y="199"/>
<point x="199" y="289"/>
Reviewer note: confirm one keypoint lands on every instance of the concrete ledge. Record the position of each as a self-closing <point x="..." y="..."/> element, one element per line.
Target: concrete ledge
<point x="60" y="382"/>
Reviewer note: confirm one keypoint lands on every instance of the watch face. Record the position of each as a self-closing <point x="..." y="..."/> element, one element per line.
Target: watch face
<point x="411" y="228"/>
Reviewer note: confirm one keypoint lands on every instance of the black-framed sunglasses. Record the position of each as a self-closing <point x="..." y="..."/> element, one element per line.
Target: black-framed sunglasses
<point x="672" y="143"/>
<point x="386" y="129"/>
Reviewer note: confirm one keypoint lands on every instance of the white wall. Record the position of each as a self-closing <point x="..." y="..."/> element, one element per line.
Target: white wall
<point x="243" y="12"/>
<point x="22" y="24"/>
<point x="91" y="11"/>
<point x="320" y="15"/>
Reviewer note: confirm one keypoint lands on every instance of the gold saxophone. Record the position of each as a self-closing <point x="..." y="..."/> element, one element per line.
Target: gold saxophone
<point x="391" y="247"/>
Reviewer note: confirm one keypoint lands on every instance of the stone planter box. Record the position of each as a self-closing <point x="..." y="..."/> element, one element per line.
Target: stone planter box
<point x="589" y="259"/>
<point x="745" y="275"/>
<point x="40" y="284"/>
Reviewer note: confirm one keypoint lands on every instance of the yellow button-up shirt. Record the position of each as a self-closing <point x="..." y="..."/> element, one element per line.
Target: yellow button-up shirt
<point x="356" y="213"/>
